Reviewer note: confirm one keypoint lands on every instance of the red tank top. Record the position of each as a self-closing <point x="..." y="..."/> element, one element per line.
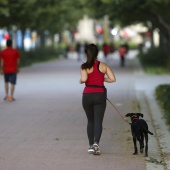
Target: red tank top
<point x="96" y="78"/>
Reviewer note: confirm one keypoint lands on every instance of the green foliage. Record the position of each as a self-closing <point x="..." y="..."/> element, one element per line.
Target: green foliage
<point x="54" y="15"/>
<point x="155" y="61"/>
<point x="39" y="55"/>
<point x="163" y="97"/>
<point x="131" y="45"/>
<point x="3" y="10"/>
<point x="155" y="58"/>
<point x="152" y="13"/>
<point x="57" y="15"/>
<point x="156" y="70"/>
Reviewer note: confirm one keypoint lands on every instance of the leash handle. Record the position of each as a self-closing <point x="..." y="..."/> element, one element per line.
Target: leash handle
<point x="117" y="110"/>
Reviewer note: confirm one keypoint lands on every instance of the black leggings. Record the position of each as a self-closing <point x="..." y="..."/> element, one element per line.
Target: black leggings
<point x="94" y="105"/>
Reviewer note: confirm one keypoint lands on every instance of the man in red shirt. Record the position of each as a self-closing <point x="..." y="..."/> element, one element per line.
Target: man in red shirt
<point x="10" y="60"/>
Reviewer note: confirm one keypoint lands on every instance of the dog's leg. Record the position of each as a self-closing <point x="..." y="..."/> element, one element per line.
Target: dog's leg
<point x="146" y="144"/>
<point x="135" y="145"/>
<point x="141" y="143"/>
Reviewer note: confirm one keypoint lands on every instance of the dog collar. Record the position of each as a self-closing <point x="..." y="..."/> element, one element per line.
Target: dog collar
<point x="135" y="118"/>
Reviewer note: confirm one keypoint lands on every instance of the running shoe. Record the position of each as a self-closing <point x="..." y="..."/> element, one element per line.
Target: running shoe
<point x="91" y="150"/>
<point x="96" y="149"/>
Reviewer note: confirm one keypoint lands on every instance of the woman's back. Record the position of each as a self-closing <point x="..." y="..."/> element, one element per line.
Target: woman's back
<point x="95" y="78"/>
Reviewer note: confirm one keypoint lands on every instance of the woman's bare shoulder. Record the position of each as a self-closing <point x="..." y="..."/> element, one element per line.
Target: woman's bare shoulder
<point x="103" y="64"/>
<point x="103" y="67"/>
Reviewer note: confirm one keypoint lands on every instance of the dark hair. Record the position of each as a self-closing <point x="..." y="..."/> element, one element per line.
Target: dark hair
<point x="91" y="51"/>
<point x="9" y="43"/>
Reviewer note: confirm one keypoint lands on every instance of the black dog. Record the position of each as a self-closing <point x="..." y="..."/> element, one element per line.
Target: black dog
<point x="139" y="129"/>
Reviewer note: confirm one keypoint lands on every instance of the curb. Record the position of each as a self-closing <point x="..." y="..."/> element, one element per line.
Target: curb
<point x="153" y="142"/>
<point x="159" y="145"/>
<point x="161" y="129"/>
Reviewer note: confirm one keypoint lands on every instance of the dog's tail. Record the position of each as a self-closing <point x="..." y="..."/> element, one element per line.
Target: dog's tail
<point x="147" y="131"/>
<point x="150" y="132"/>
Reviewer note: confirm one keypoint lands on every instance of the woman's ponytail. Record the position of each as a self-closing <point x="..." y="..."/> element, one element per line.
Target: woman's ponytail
<point x="91" y="53"/>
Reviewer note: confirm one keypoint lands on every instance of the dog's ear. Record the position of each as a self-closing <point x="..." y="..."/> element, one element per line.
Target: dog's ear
<point x="128" y="115"/>
<point x="140" y="115"/>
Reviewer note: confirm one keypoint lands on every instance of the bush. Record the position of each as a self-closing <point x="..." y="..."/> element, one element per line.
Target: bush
<point x="154" y="57"/>
<point x="163" y="97"/>
<point x="39" y="55"/>
<point x="155" y="61"/>
<point x="130" y="44"/>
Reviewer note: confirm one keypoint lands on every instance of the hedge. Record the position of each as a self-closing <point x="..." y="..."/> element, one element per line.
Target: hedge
<point x="163" y="97"/>
<point x="39" y="55"/>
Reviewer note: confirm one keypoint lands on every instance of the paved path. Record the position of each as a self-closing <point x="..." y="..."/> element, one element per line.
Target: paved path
<point x="45" y="128"/>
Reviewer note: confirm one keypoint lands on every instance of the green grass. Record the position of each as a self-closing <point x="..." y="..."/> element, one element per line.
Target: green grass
<point x="156" y="70"/>
<point x="162" y="93"/>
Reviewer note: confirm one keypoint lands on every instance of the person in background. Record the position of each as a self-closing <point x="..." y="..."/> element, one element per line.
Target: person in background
<point x="94" y="73"/>
<point x="105" y="49"/>
<point x="67" y="49"/>
<point x="10" y="59"/>
<point x="111" y="48"/>
<point x="78" y="46"/>
<point x="122" y="52"/>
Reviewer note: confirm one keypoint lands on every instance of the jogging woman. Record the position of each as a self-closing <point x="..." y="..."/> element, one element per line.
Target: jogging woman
<point x="94" y="73"/>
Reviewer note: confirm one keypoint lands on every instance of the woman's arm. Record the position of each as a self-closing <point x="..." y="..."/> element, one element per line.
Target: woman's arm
<point x="84" y="76"/>
<point x="110" y="75"/>
<point x="2" y="65"/>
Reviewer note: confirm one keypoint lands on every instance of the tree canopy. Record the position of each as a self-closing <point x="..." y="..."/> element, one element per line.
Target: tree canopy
<point x="57" y="15"/>
<point x="153" y="13"/>
<point x="54" y="15"/>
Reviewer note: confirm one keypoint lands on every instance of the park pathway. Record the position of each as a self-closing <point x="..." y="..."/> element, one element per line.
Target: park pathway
<point x="45" y="128"/>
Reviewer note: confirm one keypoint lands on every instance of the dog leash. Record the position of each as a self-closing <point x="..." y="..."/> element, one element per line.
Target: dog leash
<point x="105" y="91"/>
<point x="117" y="110"/>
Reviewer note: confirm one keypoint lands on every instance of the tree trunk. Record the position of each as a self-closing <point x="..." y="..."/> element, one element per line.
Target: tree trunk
<point x="42" y="38"/>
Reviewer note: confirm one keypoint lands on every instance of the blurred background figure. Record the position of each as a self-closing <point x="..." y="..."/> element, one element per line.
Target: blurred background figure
<point x="105" y="48"/>
<point x="19" y="38"/>
<point x="67" y="49"/>
<point x="80" y="51"/>
<point x="34" y="39"/>
<point x="127" y="48"/>
<point x="123" y="50"/>
<point x="111" y="48"/>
